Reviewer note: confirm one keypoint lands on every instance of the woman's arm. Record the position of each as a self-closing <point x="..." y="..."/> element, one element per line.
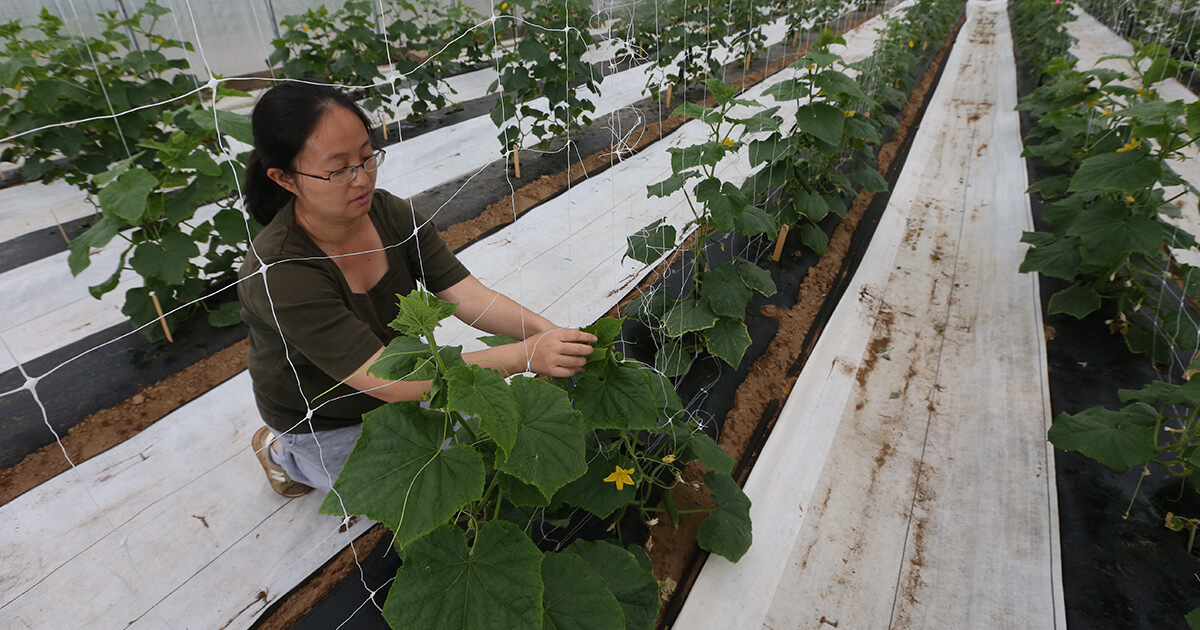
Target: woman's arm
<point x="546" y="349"/>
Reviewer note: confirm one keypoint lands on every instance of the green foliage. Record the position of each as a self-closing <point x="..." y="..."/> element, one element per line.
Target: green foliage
<point x="341" y="46"/>
<point x="147" y="171"/>
<point x="457" y="484"/>
<point x="544" y="60"/>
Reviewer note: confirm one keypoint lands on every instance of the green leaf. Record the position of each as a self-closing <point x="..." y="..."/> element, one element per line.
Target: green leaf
<point x="96" y="236"/>
<point x="814" y="237"/>
<point x="771" y="149"/>
<point x="166" y="260"/>
<point x="1181" y="329"/>
<point x="1077" y="301"/>
<point x="420" y="312"/>
<point x="494" y="341"/>
<point x="756" y="277"/>
<point x="1161" y="68"/>
<point x="669" y="185"/>
<point x="1058" y="260"/>
<point x="686" y="316"/>
<point x="1126" y="172"/>
<point x="1118" y="439"/>
<point x="870" y="180"/>
<point x="810" y="205"/>
<point x="726" y="531"/>
<point x="835" y="83"/>
<point x="405" y="358"/>
<point x="1038" y="238"/>
<point x="521" y="493"/>
<point x="635" y="588"/>
<point x="617" y="397"/>
<point x="727" y="295"/>
<point x="1051" y="186"/>
<point x="1109" y="231"/>
<point x="590" y="492"/>
<point x="497" y="583"/>
<point x="549" y="450"/>
<point x="696" y="444"/>
<point x="672" y="359"/>
<point x="728" y="340"/>
<point x="666" y="399"/>
<point x="1193" y="122"/>
<point x="754" y="221"/>
<point x="651" y="242"/>
<point x="1193" y="617"/>
<point x="648" y="306"/>
<point x="822" y="121"/>
<point x="576" y="597"/>
<point x="126" y="196"/>
<point x="227" y="314"/>
<point x="723" y="200"/>
<point x="482" y="392"/>
<point x="399" y="474"/>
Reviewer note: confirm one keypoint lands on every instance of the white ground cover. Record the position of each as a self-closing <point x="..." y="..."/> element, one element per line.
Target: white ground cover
<point x="168" y="529"/>
<point x="908" y="482"/>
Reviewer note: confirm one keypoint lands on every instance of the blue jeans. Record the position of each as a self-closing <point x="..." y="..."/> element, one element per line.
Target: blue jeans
<point x="315" y="459"/>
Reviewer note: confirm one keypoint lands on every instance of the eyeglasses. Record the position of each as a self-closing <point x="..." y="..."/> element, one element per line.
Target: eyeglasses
<point x="344" y="176"/>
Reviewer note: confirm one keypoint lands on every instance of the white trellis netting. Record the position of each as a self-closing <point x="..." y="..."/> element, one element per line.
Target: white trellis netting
<point x="123" y="520"/>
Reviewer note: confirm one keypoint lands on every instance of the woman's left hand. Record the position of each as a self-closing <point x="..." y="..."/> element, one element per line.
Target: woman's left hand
<point x="561" y="352"/>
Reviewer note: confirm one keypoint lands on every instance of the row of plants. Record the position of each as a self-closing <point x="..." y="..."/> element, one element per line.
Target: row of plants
<point x="1172" y="24"/>
<point x="484" y="489"/>
<point x="1109" y="211"/>
<point x="809" y="167"/>
<point x="1108" y="140"/>
<point x="146" y="171"/>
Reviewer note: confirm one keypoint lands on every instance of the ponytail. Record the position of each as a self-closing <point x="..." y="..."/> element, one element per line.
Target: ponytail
<point x="263" y="196"/>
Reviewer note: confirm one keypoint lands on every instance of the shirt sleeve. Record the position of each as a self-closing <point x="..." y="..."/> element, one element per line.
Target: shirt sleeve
<point x="428" y="256"/>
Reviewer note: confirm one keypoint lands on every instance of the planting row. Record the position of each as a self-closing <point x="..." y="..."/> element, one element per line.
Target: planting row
<point x="1113" y="228"/>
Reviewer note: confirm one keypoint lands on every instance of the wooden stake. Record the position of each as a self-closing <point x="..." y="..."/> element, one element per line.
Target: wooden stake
<point x="669" y="88"/>
<point x="161" y="319"/>
<point x="385" y="123"/>
<point x="517" y="159"/>
<point x="796" y="39"/>
<point x="747" y="67"/>
<point x="60" y="227"/>
<point x="783" y="232"/>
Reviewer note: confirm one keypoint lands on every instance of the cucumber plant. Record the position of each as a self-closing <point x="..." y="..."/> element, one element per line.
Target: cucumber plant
<point x="466" y="485"/>
<point x="545" y="59"/>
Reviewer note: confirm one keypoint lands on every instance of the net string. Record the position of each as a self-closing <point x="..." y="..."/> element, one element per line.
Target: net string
<point x="211" y="84"/>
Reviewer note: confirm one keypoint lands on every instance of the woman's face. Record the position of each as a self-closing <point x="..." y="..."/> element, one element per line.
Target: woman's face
<point x="338" y="140"/>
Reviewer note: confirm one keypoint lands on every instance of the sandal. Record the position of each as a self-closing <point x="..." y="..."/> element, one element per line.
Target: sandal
<point x="280" y="481"/>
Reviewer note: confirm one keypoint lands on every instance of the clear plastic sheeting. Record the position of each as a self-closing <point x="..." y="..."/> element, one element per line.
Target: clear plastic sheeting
<point x="908" y="482"/>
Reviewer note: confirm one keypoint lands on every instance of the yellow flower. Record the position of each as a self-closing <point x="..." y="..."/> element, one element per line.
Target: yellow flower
<point x="304" y="28"/>
<point x="850" y="113"/>
<point x="728" y="142"/>
<point x="669" y="458"/>
<point x="158" y="40"/>
<point x="499" y="37"/>
<point x="1132" y="144"/>
<point x="1129" y="198"/>
<point x="1139" y="91"/>
<point x="503" y="6"/>
<point x="910" y="43"/>
<point x="621" y="477"/>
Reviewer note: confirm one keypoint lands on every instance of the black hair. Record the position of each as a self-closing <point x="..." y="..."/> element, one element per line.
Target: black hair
<point x="283" y="119"/>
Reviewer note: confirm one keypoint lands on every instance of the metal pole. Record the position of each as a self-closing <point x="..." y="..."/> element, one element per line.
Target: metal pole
<point x="129" y="30"/>
<point x="271" y="15"/>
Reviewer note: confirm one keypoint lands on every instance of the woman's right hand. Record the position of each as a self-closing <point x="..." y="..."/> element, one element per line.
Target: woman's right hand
<point x="561" y="352"/>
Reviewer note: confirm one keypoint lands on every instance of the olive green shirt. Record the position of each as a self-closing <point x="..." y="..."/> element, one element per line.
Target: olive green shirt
<point x="328" y="331"/>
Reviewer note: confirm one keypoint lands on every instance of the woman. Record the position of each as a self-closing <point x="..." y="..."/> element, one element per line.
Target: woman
<point x="320" y="283"/>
